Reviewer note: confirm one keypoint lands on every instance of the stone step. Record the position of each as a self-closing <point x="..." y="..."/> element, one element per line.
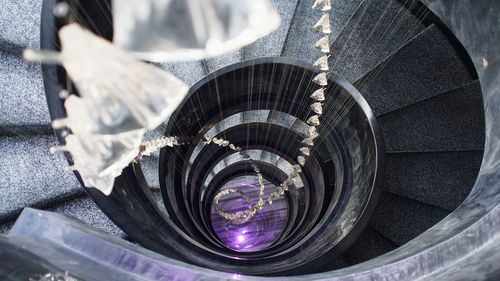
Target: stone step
<point x="272" y="45"/>
<point x="20" y="25"/>
<point x="375" y="31"/>
<point x="219" y="62"/>
<point x="369" y="245"/>
<point x="425" y="67"/>
<point x="22" y="102"/>
<point x="301" y="36"/>
<point x="441" y="179"/>
<point x="401" y="219"/>
<point x="32" y="176"/>
<point x="447" y="122"/>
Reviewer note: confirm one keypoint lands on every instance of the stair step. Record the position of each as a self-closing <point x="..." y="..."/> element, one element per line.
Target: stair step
<point x="149" y="167"/>
<point x="373" y="33"/>
<point x="85" y="210"/>
<point x="271" y="45"/>
<point x="450" y="121"/>
<point x="189" y="71"/>
<point x="219" y="62"/>
<point x="31" y="176"/>
<point x="401" y="219"/>
<point x="336" y="263"/>
<point x="426" y="66"/>
<point x="26" y="130"/>
<point x="156" y="133"/>
<point x="22" y="102"/>
<point x="441" y="179"/>
<point x="301" y="37"/>
<point x="20" y="25"/>
<point x="369" y="245"/>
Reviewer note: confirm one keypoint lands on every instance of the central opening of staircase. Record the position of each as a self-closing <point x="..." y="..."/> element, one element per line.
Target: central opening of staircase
<point x="262" y="106"/>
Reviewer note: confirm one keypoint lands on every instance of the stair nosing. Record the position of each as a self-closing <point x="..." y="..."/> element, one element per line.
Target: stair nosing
<point x="348" y="22"/>
<point x="428" y="98"/>
<point x="11" y="48"/>
<point x="44" y="204"/>
<point x="287" y="31"/>
<point x="385" y="60"/>
<point x="396" y="245"/>
<point x="434" y="151"/>
<point x="13" y="130"/>
<point x="416" y="200"/>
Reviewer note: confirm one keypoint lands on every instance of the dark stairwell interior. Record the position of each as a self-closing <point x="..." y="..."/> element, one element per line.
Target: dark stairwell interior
<point x="414" y="74"/>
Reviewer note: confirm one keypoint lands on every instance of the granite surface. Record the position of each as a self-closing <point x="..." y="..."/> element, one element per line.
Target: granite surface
<point x="401" y="219"/>
<point x="424" y="67"/>
<point x="271" y="45"/>
<point x="376" y="30"/>
<point x="369" y="245"/>
<point x="219" y="62"/>
<point x="149" y="167"/>
<point x="301" y="37"/>
<point x="189" y="72"/>
<point x="19" y="25"/>
<point x="85" y="210"/>
<point x="32" y="176"/>
<point x="22" y="99"/>
<point x="441" y="179"/>
<point x="450" y="121"/>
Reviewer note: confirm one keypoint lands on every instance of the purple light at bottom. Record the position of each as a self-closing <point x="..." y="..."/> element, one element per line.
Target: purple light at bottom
<point x="261" y="231"/>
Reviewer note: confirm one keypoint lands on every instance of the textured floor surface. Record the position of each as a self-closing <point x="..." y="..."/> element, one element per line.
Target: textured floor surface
<point x="427" y="104"/>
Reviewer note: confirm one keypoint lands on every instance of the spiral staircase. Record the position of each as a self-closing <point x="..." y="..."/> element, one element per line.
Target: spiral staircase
<point x="423" y="88"/>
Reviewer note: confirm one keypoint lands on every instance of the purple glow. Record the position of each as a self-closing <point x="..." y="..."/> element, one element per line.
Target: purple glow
<point x="261" y="231"/>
